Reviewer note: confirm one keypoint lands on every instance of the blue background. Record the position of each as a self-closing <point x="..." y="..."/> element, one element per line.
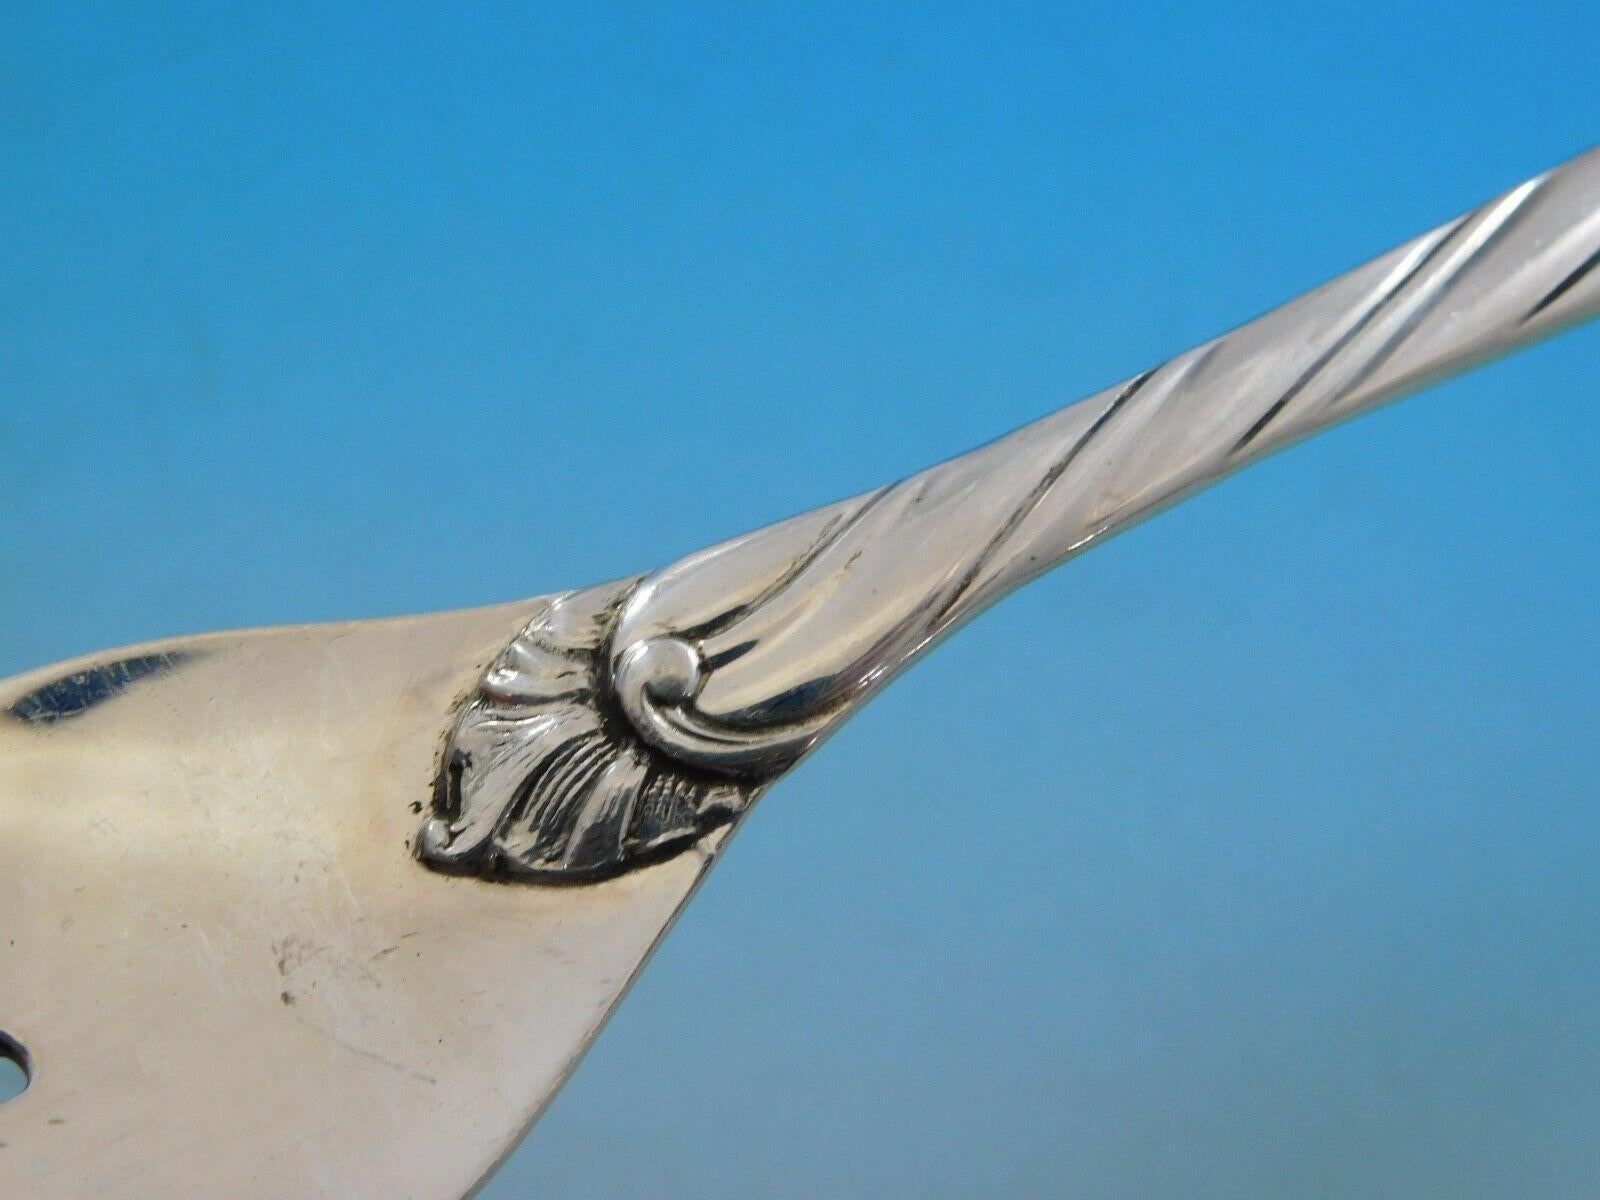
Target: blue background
<point x="1251" y="855"/>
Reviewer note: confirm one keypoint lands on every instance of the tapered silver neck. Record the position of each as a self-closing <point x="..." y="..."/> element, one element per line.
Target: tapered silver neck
<point x="688" y="690"/>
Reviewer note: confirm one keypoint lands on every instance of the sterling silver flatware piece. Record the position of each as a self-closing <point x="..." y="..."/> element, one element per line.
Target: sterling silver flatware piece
<point x="332" y="911"/>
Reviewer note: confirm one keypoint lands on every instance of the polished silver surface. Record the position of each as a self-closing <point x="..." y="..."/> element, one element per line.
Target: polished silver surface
<point x="332" y="911"/>
<point x="231" y="977"/>
<point x="733" y="663"/>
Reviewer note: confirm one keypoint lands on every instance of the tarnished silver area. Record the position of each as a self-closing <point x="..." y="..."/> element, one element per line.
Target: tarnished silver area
<point x="733" y="663"/>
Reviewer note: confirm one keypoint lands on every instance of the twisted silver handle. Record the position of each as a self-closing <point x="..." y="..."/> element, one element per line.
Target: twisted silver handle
<point x="732" y="663"/>
<point x="739" y="658"/>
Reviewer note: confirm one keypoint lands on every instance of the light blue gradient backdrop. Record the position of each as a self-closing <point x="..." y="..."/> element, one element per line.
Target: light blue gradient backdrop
<point x="1253" y="855"/>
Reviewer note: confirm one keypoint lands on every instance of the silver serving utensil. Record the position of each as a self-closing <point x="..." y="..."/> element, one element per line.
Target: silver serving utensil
<point x="332" y="911"/>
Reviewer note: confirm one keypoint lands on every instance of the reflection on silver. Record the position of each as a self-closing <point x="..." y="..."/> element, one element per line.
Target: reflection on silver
<point x="730" y="665"/>
<point x="77" y="692"/>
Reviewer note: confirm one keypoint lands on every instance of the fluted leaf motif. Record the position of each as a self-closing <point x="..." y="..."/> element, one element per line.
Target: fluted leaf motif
<point x="543" y="777"/>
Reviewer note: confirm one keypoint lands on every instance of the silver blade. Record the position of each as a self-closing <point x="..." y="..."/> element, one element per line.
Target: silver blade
<point x="231" y="976"/>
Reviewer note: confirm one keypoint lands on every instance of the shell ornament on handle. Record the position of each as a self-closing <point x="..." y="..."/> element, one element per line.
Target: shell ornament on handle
<point x="630" y="720"/>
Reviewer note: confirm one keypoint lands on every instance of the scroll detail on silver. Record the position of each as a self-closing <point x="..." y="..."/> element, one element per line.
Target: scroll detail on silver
<point x="543" y="778"/>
